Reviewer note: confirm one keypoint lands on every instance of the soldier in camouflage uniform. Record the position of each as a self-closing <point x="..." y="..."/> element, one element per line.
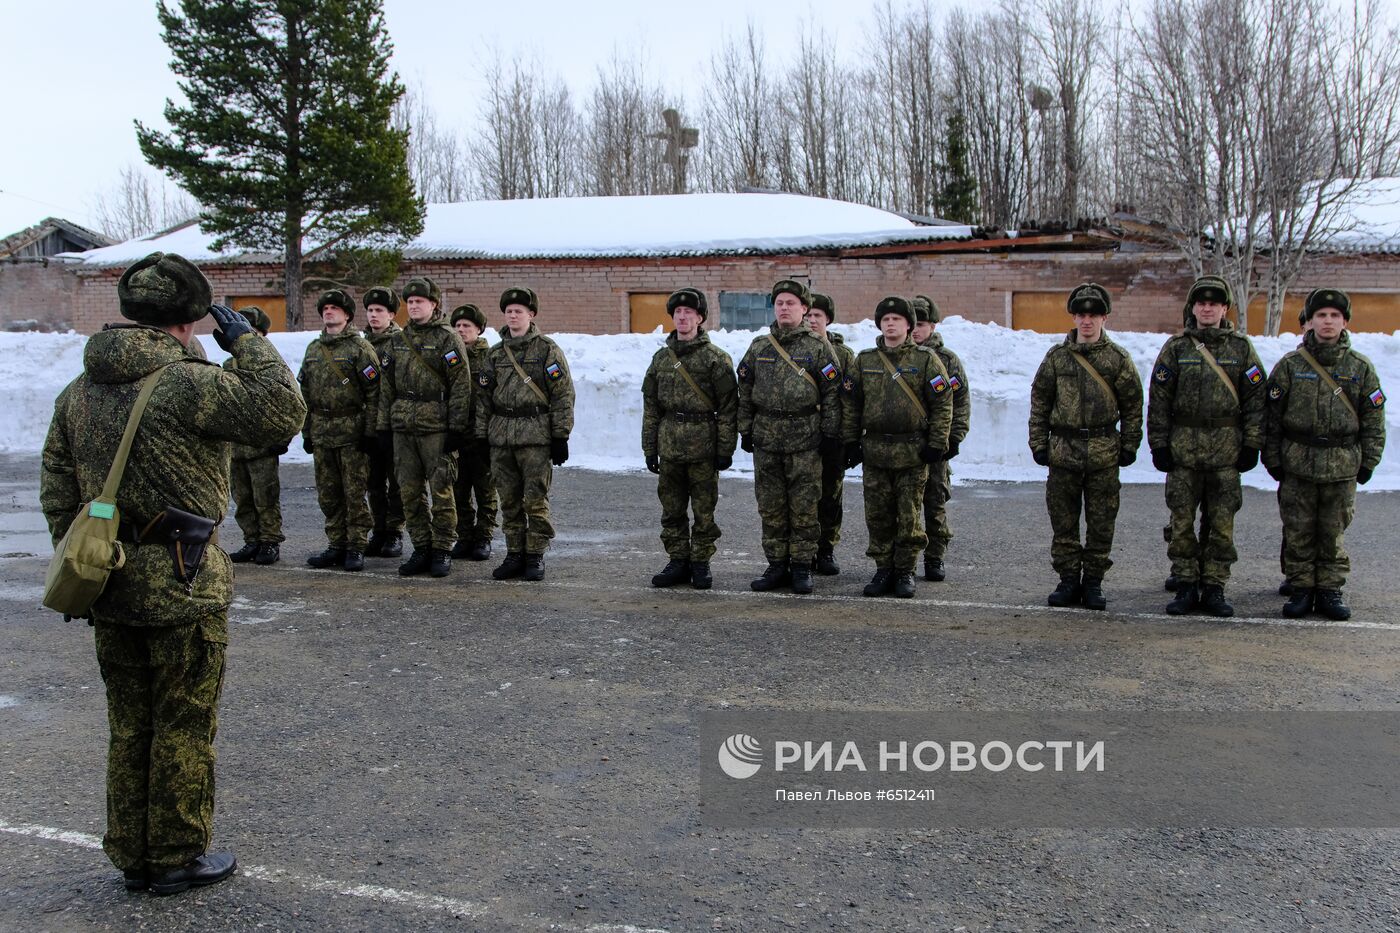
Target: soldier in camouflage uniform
<point x="1085" y="388"/>
<point x="340" y="381"/>
<point x="1205" y="426"/>
<point x="524" y="413"/>
<point x="940" y="475"/>
<point x="385" y="505"/>
<point x="896" y="415"/>
<point x="476" y="521"/>
<point x="161" y="640"/>
<point x="818" y="318"/>
<point x="789" y="416"/>
<point x="425" y="399"/>
<point x="1324" y="434"/>
<point x="690" y="407"/>
<point x="257" y="487"/>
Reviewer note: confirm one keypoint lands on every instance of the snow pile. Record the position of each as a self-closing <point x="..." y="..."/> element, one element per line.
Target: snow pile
<point x="608" y="370"/>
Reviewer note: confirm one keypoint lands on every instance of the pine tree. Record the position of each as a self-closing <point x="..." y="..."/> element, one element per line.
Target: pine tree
<point x="285" y="135"/>
<point x="958" y="198"/>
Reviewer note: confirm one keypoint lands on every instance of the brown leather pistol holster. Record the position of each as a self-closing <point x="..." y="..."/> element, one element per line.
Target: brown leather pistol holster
<point x="185" y="535"/>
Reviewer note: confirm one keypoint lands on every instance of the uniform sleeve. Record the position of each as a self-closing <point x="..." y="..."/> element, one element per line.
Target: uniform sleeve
<point x="1275" y="401"/>
<point x="1129" y="389"/>
<point x="744" y="376"/>
<point x="481" y="395"/>
<point x="59" y="496"/>
<point x="1253" y="397"/>
<point x="1042" y="401"/>
<point x="651" y="411"/>
<point x="387" y="390"/>
<point x="1161" y="399"/>
<point x="852" y="404"/>
<point x="830" y="390"/>
<point x="561" y="397"/>
<point x="459" y="389"/>
<point x="939" y="404"/>
<point x="257" y="404"/>
<point x="304" y="375"/>
<point x="370" y="377"/>
<point x="962" y="401"/>
<point x="726" y="390"/>
<point x="1371" y="406"/>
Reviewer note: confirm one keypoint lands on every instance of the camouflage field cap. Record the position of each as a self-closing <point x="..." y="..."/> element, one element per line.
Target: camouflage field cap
<point x="1327" y="298"/>
<point x="385" y="297"/>
<point x="925" y="309"/>
<point x="471" y="313"/>
<point x="338" y="297"/>
<point x="164" y="289"/>
<point x="520" y="295"/>
<point x="804" y="295"/>
<point x="258" y="318"/>
<point x="894" y="305"/>
<point x="824" y="304"/>
<point x="691" y="298"/>
<point x="1089" y="298"/>
<point x="422" y="287"/>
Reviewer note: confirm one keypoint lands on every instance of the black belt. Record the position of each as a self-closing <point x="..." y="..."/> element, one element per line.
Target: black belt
<point x="1103" y="430"/>
<point x="424" y="396"/>
<point x="895" y="438"/>
<point x="693" y="417"/>
<point x="529" y="411"/>
<point x="779" y="413"/>
<point x="1191" y="421"/>
<point x="1320" y="440"/>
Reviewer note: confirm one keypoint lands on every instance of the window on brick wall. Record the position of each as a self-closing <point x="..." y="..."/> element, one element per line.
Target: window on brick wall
<point x="745" y="310"/>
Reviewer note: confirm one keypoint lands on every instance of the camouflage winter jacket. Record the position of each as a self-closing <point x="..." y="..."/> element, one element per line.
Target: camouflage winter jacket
<point x="957" y="380"/>
<point x="1073" y="417"/>
<point x="676" y="423"/>
<point x="845" y="358"/>
<point x="179" y="457"/>
<point x="509" y="410"/>
<point x="476" y="356"/>
<point x="340" y="381"/>
<point x="1192" y="411"/>
<point x="784" y="411"/>
<point x="1312" y="434"/>
<point x="426" y="383"/>
<point x="241" y="452"/>
<point x="381" y="340"/>
<point x="877" y="412"/>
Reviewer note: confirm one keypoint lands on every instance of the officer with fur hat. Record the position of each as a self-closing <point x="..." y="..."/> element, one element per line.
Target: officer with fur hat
<point x="257" y="487"/>
<point x="525" y="413"/>
<point x="425" y="411"/>
<point x="476" y="520"/>
<point x="160" y="626"/>
<point x="1085" y="424"/>
<point x="385" y="505"/>
<point x="940" y="475"/>
<point x="819" y="316"/>
<point x="340" y="380"/>
<point x="789" y="416"/>
<point x="1324" y="434"/>
<point x="690" y="408"/>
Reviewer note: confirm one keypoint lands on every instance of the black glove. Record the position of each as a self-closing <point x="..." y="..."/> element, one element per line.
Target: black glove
<point x="1363" y="475"/>
<point x="855" y="454"/>
<point x="306" y="444"/>
<point x="453" y="442"/>
<point x="930" y="454"/>
<point x="386" y="442"/>
<point x="746" y="443"/>
<point x="952" y="451"/>
<point x="829" y="446"/>
<point x="653" y="463"/>
<point x="1247" y="460"/>
<point x="1275" y="472"/>
<point x="559" y="451"/>
<point x="277" y="451"/>
<point x="724" y="461"/>
<point x="1162" y="459"/>
<point x="1041" y="456"/>
<point x="229" y="327"/>
<point x="1127" y="457"/>
<point x="368" y="445"/>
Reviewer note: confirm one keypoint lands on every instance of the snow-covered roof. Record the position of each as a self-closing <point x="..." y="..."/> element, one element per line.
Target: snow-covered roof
<point x="649" y="225"/>
<point x="1370" y="221"/>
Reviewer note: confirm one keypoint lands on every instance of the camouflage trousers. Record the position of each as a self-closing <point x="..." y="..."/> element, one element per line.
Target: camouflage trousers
<point x="695" y="485"/>
<point x="894" y="503"/>
<point x="342" y="477"/>
<point x="385" y="504"/>
<point x="829" y="508"/>
<point x="1315" y="518"/>
<point x="523" y="477"/>
<point x="937" y="492"/>
<point x="475" y="495"/>
<point x="163" y="686"/>
<point x="426" y="474"/>
<point x="1095" y="493"/>
<point x="788" y="487"/>
<point x="1215" y="494"/>
<point x="257" y="499"/>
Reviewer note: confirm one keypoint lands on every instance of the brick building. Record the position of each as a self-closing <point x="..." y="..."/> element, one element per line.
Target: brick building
<point x="34" y="293"/>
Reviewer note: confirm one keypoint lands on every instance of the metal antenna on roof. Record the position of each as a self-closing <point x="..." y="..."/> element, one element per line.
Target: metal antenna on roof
<point x="678" y="139"/>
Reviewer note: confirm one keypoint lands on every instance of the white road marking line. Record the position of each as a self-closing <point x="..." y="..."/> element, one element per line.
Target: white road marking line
<point x="373" y="892"/>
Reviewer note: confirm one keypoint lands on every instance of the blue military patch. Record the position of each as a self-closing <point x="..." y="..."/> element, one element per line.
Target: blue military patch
<point x="955" y="382"/>
<point x="1377" y="398"/>
<point x="1254" y="375"/>
<point x="1305" y="375"/>
<point x="370" y="373"/>
<point x="1162" y="373"/>
<point x="831" y="372"/>
<point x="938" y="384"/>
<point x="453" y="358"/>
<point x="553" y="371"/>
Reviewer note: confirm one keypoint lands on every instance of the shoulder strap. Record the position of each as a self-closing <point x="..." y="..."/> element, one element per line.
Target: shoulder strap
<point x="1328" y="381"/>
<point x="118" y="468"/>
<point x="418" y="355"/>
<point x="704" y="396"/>
<point x="520" y="371"/>
<point x="1103" y="383"/>
<point x="330" y="358"/>
<point x="1210" y="361"/>
<point x="899" y="381"/>
<point x="787" y="359"/>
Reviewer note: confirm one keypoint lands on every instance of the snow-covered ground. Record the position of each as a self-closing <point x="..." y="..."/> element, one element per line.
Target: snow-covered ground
<point x="608" y="373"/>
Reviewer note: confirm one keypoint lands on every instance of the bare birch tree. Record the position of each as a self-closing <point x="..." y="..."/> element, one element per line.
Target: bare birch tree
<point x="140" y="203"/>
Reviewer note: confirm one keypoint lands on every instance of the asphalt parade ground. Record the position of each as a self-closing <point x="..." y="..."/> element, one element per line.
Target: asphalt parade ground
<point x="466" y="754"/>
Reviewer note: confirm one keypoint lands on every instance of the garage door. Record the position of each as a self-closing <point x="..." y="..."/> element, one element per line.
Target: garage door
<point x="1043" y="312"/>
<point x="648" y="311"/>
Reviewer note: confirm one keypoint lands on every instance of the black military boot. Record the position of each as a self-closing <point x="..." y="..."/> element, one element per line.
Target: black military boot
<point x="375" y="548"/>
<point x="904" y="584"/>
<point x="801" y="577"/>
<point x="268" y="553"/>
<point x="1285" y="588"/>
<point x="1213" y="601"/>
<point x="1300" y="604"/>
<point x="460" y="549"/>
<point x="1187" y="598"/>
<point x="933" y="569"/>
<point x="1067" y="593"/>
<point x="1173" y="583"/>
<point x="1330" y="604"/>
<point x="675" y="571"/>
<point x="440" y="564"/>
<point x="330" y="557"/>
<point x="479" y="550"/>
<point x="418" y="562"/>
<point x="700" y="576"/>
<point x="826" y="563"/>
<point x="1092" y="594"/>
<point x="512" y="567"/>
<point x="354" y="560"/>
<point x="393" y="546"/>
<point x="775" y="576"/>
<point x="882" y="584"/>
<point x="247" y="552"/>
<point x="534" y="568"/>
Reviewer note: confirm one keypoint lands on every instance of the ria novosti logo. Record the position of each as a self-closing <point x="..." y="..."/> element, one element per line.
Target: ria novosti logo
<point x="741" y="756"/>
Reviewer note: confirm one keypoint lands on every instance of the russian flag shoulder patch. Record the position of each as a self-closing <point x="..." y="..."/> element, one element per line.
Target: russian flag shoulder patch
<point x="830" y="372"/>
<point x="938" y="384"/>
<point x="1377" y="398"/>
<point x="553" y="371"/>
